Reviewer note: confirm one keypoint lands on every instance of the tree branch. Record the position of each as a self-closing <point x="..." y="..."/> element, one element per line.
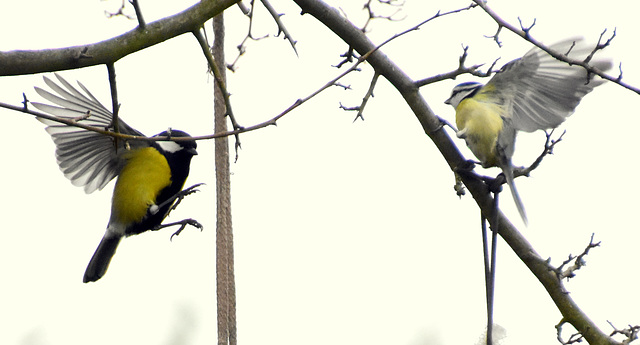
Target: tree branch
<point x="524" y="33"/>
<point x="218" y="74"/>
<point x="19" y="62"/>
<point x="432" y="126"/>
<point x="281" y="28"/>
<point x="136" y="7"/>
<point x="462" y="69"/>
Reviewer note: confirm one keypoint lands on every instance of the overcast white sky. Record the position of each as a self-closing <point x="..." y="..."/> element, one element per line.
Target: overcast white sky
<point x="345" y="233"/>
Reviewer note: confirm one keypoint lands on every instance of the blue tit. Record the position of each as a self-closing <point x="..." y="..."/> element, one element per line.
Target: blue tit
<point x="534" y="92"/>
<point x="150" y="173"/>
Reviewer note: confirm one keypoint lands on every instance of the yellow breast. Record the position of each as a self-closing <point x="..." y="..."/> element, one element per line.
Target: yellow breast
<point x="480" y="123"/>
<point x="139" y="183"/>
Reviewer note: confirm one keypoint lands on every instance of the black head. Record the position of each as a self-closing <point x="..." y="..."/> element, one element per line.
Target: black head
<point x="181" y="147"/>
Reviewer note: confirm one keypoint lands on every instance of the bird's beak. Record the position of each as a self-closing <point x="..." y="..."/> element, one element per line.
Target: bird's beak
<point x="448" y="101"/>
<point x="193" y="151"/>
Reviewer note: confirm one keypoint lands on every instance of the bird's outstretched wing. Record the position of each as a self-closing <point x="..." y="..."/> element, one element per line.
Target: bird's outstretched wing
<point x="87" y="158"/>
<point x="539" y="91"/>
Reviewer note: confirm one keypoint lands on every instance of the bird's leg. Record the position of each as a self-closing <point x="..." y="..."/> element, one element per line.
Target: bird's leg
<point x="495" y="184"/>
<point x="459" y="186"/>
<point x="444" y="123"/>
<point x="183" y="224"/>
<point x="465" y="169"/>
<point x="181" y="194"/>
<point x="177" y="198"/>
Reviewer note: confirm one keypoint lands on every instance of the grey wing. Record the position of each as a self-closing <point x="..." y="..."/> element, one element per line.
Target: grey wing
<point x="87" y="158"/>
<point x="541" y="92"/>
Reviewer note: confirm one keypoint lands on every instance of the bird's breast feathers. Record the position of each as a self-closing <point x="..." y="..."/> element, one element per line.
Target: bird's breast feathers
<point x="480" y="123"/>
<point x="144" y="175"/>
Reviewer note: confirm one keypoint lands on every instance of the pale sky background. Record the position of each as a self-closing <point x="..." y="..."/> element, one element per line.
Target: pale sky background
<point x="345" y="233"/>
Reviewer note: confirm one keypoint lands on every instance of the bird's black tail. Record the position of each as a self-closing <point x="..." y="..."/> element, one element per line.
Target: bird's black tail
<point x="101" y="258"/>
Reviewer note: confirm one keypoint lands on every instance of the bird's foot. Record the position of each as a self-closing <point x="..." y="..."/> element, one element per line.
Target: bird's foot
<point x="183" y="224"/>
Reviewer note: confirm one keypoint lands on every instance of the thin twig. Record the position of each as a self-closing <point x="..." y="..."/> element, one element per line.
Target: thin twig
<point x="462" y="69"/>
<point x="243" y="8"/>
<point x="136" y="7"/>
<point x="242" y="47"/>
<point x="115" y="105"/>
<point x="366" y="97"/>
<point x="217" y="74"/>
<point x="372" y="15"/>
<point x="578" y="261"/>
<point x="573" y="338"/>
<point x="631" y="333"/>
<point x="281" y="28"/>
<point x="549" y="144"/>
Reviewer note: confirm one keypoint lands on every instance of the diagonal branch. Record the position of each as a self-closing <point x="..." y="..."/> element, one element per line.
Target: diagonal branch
<point x="220" y="81"/>
<point x="281" y="28"/>
<point x="365" y="99"/>
<point x="432" y="126"/>
<point x="136" y="7"/>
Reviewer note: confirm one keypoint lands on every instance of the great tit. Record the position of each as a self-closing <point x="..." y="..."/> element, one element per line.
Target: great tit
<point x="534" y="92"/>
<point x="151" y="174"/>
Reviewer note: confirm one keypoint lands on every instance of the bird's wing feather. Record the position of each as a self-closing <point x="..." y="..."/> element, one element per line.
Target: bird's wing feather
<point x="539" y="91"/>
<point x="87" y="158"/>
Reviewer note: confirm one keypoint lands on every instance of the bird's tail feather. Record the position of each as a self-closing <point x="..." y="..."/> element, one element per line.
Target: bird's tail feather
<point x="101" y="258"/>
<point x="508" y="174"/>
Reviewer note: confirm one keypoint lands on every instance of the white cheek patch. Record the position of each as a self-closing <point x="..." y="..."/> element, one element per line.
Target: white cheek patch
<point x="170" y="146"/>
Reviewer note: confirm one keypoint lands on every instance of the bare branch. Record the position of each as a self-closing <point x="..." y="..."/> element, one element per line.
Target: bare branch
<point x="350" y="53"/>
<point x="573" y="338"/>
<point x="348" y="57"/>
<point x="249" y="36"/>
<point x="372" y="15"/>
<point x="237" y="129"/>
<point x="496" y="36"/>
<point x="578" y="262"/>
<point x="432" y="126"/>
<point x="462" y="69"/>
<point x="243" y="8"/>
<point x="115" y="105"/>
<point x="526" y="29"/>
<point x="19" y="62"/>
<point x="524" y="33"/>
<point x="600" y="45"/>
<point x="630" y="333"/>
<point x="281" y="28"/>
<point x="365" y="99"/>
<point x="220" y="81"/>
<point x="549" y="144"/>
<point x="242" y="46"/>
<point x="136" y="6"/>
